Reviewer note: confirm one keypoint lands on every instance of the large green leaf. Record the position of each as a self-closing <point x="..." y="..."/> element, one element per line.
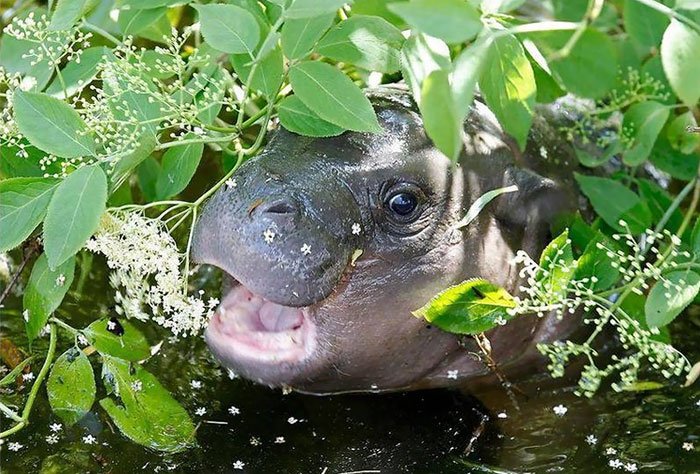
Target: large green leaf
<point x="298" y="118"/>
<point x="268" y="74"/>
<point x="680" y="56"/>
<point x="369" y="42"/>
<point x="644" y="24"/>
<point x="471" y="307"/>
<point x="52" y="125"/>
<point x="643" y="123"/>
<point x="595" y="264"/>
<point x="508" y="85"/>
<point x="118" y="338"/>
<point x="177" y="168"/>
<point x="678" y="135"/>
<point x="311" y="8"/>
<point x="45" y="291"/>
<point x="23" y="203"/>
<point x="613" y="201"/>
<point x="589" y="70"/>
<point x="147" y="414"/>
<point x="229" y="28"/>
<point x="300" y="36"/>
<point x="333" y="96"/>
<point x="74" y="213"/>
<point x="669" y="296"/>
<point x="68" y="12"/>
<point x="420" y="56"/>
<point x="468" y="67"/>
<point x="454" y="21"/>
<point x="71" y="386"/>
<point x="135" y="21"/>
<point x="77" y="75"/>
<point x="441" y="120"/>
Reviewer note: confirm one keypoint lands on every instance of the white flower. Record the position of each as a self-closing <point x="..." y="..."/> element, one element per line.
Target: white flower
<point x="60" y="280"/>
<point x="89" y="439"/>
<point x="25" y="315"/>
<point x="255" y="441"/>
<point x="279" y="440"/>
<point x="234" y="410"/>
<point x="631" y="467"/>
<point x="82" y="340"/>
<point x="615" y="463"/>
<point x="356" y="228"/>
<point x="306" y="249"/>
<point x="136" y="386"/>
<point x="452" y="374"/>
<point x="28" y="377"/>
<point x="269" y="236"/>
<point x="15" y="446"/>
<point x="502" y="415"/>
<point x="201" y="411"/>
<point x="231" y="183"/>
<point x="560" y="410"/>
<point x="238" y="464"/>
<point x="543" y="152"/>
<point x="591" y="439"/>
<point x="55" y="427"/>
<point x="291" y="420"/>
<point x="111" y="325"/>
<point x="196" y="384"/>
<point x="688" y="446"/>
<point x="231" y="374"/>
<point x="611" y="451"/>
<point x="52" y="439"/>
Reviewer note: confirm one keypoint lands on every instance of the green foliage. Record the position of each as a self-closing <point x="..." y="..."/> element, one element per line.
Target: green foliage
<point x="126" y="110"/>
<point x="472" y="307"/>
<point x="71" y="386"/>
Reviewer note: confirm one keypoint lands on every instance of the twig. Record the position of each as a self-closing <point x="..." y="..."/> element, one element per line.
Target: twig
<point x="485" y="347"/>
<point x="31" y="248"/>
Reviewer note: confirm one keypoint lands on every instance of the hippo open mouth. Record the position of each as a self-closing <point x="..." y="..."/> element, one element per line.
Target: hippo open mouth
<point x="249" y="326"/>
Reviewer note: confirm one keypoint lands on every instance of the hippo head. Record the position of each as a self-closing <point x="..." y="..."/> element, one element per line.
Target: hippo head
<point x="328" y="244"/>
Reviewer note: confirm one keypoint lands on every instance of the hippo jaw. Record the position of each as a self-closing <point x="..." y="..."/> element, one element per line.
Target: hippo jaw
<point x="249" y="327"/>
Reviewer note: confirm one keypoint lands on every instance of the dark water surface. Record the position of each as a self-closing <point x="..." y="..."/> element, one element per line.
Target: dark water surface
<point x="428" y="432"/>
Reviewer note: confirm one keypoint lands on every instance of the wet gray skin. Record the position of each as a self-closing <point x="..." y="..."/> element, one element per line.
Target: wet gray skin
<point x="302" y="309"/>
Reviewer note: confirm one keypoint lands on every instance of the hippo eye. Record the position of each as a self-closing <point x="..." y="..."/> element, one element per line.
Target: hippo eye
<point x="403" y="203"/>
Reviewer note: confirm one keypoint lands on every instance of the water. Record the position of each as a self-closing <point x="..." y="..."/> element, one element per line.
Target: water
<point x="426" y="432"/>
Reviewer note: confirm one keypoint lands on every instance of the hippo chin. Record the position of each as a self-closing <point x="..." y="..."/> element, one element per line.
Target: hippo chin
<point x="328" y="244"/>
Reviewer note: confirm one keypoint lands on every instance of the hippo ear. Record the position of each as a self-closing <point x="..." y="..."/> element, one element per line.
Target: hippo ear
<point x="533" y="207"/>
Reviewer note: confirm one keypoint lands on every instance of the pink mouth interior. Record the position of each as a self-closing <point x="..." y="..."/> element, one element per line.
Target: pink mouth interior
<point x="249" y="326"/>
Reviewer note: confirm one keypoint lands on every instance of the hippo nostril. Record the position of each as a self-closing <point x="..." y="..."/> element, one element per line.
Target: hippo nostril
<point x="279" y="206"/>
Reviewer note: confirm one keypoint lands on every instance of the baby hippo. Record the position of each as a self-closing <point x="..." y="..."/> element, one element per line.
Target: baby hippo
<point x="329" y="244"/>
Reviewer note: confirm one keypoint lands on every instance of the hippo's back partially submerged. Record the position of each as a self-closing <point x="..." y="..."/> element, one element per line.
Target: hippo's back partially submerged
<point x="331" y="243"/>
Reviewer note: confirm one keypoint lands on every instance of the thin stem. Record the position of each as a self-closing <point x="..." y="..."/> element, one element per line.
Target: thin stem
<point x="671" y="13"/>
<point x="24" y="420"/>
<point x="592" y="12"/>
<point x="188" y="141"/>
<point x="65" y="326"/>
<point x="101" y="32"/>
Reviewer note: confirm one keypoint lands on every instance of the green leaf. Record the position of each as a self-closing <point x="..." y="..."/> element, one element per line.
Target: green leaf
<point x="633" y="305"/>
<point x="673" y="162"/>
<point x="52" y="125"/>
<point x="141" y="4"/>
<point x="508" y="86"/>
<point x="147" y="174"/>
<point x="311" y="8"/>
<point x="124" y="340"/>
<point x="612" y="201"/>
<point x="74" y="213"/>
<point x="441" y="121"/>
<point x="420" y="56"/>
<point x="680" y="56"/>
<point x="268" y="74"/>
<point x="659" y="201"/>
<point x="71" y="386"/>
<point x="45" y="291"/>
<point x="368" y="42"/>
<point x="333" y="96"/>
<point x="453" y="21"/>
<point x="557" y="267"/>
<point x="13" y="57"/>
<point x="299" y="36"/>
<point x="589" y="70"/>
<point x="479" y="204"/>
<point x="68" y="12"/>
<point x="178" y="166"/>
<point x="134" y="21"/>
<point x="596" y="157"/>
<point x="669" y="296"/>
<point x="644" y="24"/>
<point x="23" y="203"/>
<point x="595" y="264"/>
<point x="688" y="4"/>
<point x="467" y="69"/>
<point x="149" y="416"/>
<point x="695" y="238"/>
<point x="122" y="170"/>
<point x="229" y="28"/>
<point x="678" y="135"/>
<point x="472" y="307"/>
<point x="77" y="75"/>
<point x="298" y="118"/>
<point x="643" y="123"/>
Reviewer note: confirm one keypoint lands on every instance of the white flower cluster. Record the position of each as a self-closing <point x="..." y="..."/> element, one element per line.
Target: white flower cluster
<point x="551" y="289"/>
<point x="52" y="46"/>
<point x="146" y="273"/>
